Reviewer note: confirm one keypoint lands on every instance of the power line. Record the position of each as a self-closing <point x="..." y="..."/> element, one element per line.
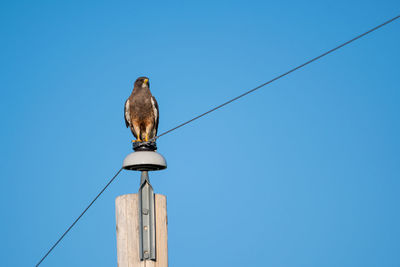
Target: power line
<point x="280" y="76"/>
<point x="77" y="219"/>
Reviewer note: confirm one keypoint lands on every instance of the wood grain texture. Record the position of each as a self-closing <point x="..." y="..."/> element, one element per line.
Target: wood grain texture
<point x="126" y="209"/>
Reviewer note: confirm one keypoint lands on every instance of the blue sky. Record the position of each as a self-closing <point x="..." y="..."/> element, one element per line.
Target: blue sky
<point x="304" y="172"/>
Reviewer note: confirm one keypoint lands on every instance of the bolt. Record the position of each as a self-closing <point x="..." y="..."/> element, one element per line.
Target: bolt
<point x="146" y="254"/>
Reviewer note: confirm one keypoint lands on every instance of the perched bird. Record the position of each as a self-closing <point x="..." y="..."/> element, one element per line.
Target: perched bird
<point x="141" y="111"/>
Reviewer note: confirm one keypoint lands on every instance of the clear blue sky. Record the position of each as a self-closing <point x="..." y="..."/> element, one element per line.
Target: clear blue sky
<point x="305" y="172"/>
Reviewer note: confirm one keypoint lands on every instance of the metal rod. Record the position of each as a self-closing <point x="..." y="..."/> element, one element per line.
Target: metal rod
<point x="147" y="230"/>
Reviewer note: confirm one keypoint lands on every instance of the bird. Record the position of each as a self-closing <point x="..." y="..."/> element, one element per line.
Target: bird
<point x="141" y="111"/>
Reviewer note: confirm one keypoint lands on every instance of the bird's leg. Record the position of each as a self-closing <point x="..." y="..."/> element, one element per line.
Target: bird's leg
<point x="137" y="131"/>
<point x="149" y="128"/>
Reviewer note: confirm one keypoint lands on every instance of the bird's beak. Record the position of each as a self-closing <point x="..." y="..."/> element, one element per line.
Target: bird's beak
<point x="146" y="81"/>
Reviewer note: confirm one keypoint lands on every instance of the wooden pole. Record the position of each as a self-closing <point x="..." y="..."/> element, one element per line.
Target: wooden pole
<point x="128" y="232"/>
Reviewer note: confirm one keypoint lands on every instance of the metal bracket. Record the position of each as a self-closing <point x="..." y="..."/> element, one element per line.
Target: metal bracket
<point x="147" y="225"/>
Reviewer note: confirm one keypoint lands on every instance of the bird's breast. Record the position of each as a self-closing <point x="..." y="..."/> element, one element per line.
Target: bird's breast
<point x="141" y="107"/>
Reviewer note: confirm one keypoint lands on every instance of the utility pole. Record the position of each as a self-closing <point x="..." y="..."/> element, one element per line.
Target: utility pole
<point x="142" y="218"/>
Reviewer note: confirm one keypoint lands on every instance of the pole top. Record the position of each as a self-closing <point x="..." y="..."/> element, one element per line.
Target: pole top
<point x="145" y="158"/>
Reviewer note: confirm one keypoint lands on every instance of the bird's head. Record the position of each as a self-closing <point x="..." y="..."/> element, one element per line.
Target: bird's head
<point x="142" y="82"/>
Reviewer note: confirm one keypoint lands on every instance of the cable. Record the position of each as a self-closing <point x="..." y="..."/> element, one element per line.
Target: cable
<point x="280" y="76"/>
<point x="72" y="225"/>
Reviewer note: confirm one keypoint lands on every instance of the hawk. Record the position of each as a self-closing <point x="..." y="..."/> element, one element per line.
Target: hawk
<point x="141" y="111"/>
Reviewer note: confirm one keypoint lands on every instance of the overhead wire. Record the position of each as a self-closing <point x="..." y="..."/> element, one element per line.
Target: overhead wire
<point x="278" y="77"/>
<point x="215" y="108"/>
<point x="77" y="219"/>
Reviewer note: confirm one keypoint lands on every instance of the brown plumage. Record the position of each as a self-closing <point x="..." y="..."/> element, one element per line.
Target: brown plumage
<point x="141" y="111"/>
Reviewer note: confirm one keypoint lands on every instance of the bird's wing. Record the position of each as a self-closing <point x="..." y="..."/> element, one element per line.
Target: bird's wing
<point x="127" y="114"/>
<point x="155" y="111"/>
